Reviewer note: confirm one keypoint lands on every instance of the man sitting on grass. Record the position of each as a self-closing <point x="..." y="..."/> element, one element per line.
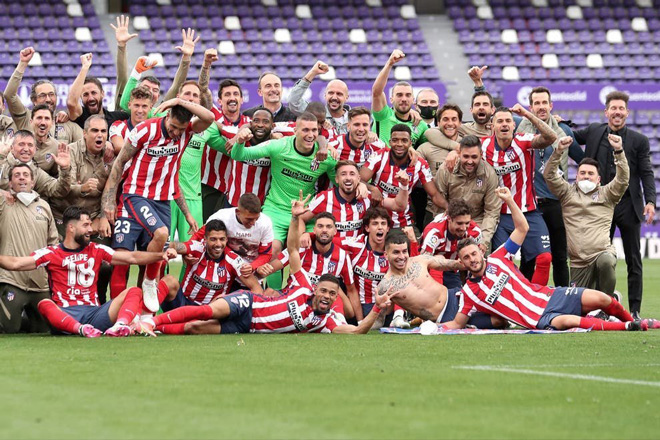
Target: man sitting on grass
<point x="497" y="287"/>
<point x="302" y="309"/>
<point x="72" y="267"/>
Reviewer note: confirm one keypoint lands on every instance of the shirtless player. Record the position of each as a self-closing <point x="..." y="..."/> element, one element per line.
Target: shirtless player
<point x="418" y="293"/>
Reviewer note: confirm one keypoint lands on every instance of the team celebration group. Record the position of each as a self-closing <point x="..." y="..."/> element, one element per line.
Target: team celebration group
<point x="310" y="216"/>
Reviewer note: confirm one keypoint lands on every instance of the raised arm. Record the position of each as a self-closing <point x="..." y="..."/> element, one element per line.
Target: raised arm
<point x="441" y="263"/>
<point x="239" y="152"/>
<point x="378" y="98"/>
<point x="14" y="103"/>
<point x="73" y="104"/>
<point x="122" y="36"/>
<point x="618" y="186"/>
<point x="556" y="184"/>
<point x="546" y="136"/>
<point x="203" y="116"/>
<point x="519" y="221"/>
<point x="17" y="263"/>
<point x="298" y="104"/>
<point x="187" y="48"/>
<point x="210" y="57"/>
<point x="293" y="238"/>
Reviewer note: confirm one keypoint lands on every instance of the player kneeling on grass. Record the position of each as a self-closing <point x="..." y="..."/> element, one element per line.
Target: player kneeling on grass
<point x="302" y="309"/>
<point x="211" y="276"/>
<point x="497" y="287"/>
<point x="72" y="267"/>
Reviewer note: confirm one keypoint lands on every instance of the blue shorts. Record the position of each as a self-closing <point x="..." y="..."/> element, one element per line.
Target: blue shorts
<point x="478" y="319"/>
<point x="97" y="316"/>
<point x="564" y="301"/>
<point x="240" y="312"/>
<point x="537" y="240"/>
<point x="451" y="280"/>
<point x="179" y="300"/>
<point x="144" y="218"/>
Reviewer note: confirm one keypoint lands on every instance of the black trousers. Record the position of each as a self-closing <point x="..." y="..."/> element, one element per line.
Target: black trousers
<point x="551" y="210"/>
<point x="630" y="229"/>
<point x="212" y="201"/>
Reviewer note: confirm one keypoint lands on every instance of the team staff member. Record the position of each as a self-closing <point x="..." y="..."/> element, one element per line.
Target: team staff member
<point x="270" y="89"/>
<point x="41" y="124"/>
<point x="630" y="211"/>
<point x="22" y="291"/>
<point x="427" y="103"/>
<point x="402" y="99"/>
<point x="336" y="95"/>
<point x="7" y="125"/>
<point x="475" y="181"/>
<point x="587" y="209"/>
<point x="41" y="92"/>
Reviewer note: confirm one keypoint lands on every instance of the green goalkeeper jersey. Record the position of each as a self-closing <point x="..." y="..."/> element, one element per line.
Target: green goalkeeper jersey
<point x="190" y="169"/>
<point x="290" y="170"/>
<point x="385" y="119"/>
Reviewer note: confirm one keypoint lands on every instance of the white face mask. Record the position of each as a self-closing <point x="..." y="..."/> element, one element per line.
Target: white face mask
<point x="586" y="186"/>
<point x="26" y="197"/>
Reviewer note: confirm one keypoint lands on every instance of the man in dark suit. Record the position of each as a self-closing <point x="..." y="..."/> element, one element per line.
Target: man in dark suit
<point x="632" y="208"/>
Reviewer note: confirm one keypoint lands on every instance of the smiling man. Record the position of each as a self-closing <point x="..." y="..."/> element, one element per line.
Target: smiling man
<point x="270" y="89"/>
<point x="41" y="123"/>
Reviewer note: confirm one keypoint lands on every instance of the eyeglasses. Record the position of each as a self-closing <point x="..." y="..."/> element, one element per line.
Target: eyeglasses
<point x="46" y="95"/>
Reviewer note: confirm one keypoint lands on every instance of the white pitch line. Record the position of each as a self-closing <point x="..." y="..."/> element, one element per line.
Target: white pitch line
<point x="562" y="375"/>
<point x="563" y="365"/>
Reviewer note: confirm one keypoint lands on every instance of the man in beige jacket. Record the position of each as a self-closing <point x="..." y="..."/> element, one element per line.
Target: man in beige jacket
<point x="588" y="209"/>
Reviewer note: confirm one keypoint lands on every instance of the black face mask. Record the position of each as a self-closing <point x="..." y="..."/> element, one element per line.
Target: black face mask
<point x="427" y="112"/>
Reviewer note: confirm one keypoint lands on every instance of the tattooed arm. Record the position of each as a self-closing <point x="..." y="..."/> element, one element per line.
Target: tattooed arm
<point x="183" y="206"/>
<point x="441" y="263"/>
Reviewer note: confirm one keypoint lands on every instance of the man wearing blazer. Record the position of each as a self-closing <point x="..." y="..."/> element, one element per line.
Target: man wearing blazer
<point x="639" y="199"/>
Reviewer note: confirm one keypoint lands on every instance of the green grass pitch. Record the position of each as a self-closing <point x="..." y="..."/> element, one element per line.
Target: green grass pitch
<point x="595" y="385"/>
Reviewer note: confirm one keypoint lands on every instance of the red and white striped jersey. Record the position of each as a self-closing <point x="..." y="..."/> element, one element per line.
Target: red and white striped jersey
<point x="504" y="291"/>
<point x="208" y="279"/>
<point x="153" y="172"/>
<point x="289" y="129"/>
<point x="250" y="176"/>
<point x="216" y="167"/>
<point x="515" y="168"/>
<point x="335" y="262"/>
<point x="358" y="155"/>
<point x="369" y="267"/>
<point x="348" y="215"/>
<point x="72" y="272"/>
<point x="120" y="128"/>
<point x="437" y="240"/>
<point x="384" y="178"/>
<point x="291" y="313"/>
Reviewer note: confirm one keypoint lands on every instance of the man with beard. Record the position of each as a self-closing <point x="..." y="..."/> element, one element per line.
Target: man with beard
<point x="321" y="257"/>
<point x="635" y="204"/>
<point x="417" y="292"/>
<point x="336" y="95"/>
<point x="473" y="180"/>
<point x="427" y="103"/>
<point x="270" y="89"/>
<point x="449" y="123"/>
<point x="496" y="287"/>
<point x="21" y="291"/>
<point x="41" y="92"/>
<point x="540" y="103"/>
<point x="512" y="156"/>
<point x="41" y="123"/>
<point x="343" y="202"/>
<point x="252" y="176"/>
<point x="402" y="99"/>
<point x="355" y="144"/>
<point x="22" y="151"/>
<point x="91" y="91"/>
<point x="382" y="169"/>
<point x="139" y="106"/>
<point x="303" y="309"/>
<point x="72" y="267"/>
<point x="216" y="162"/>
<point x="7" y="125"/>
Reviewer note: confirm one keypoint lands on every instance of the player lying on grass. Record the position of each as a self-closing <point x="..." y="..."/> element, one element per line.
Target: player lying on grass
<point x="72" y="267"/>
<point x="301" y="309"/>
<point x="417" y="292"/>
<point x="497" y="287"/>
<point x="213" y="274"/>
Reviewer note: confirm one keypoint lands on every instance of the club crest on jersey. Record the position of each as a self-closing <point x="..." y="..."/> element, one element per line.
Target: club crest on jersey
<point x="511" y="154"/>
<point x="332" y="266"/>
<point x="48" y="157"/>
<point x="316" y="320"/>
<point x="119" y="238"/>
<point x="39" y="210"/>
<point x="480" y="182"/>
<point x="10" y="296"/>
<point x="491" y="269"/>
<point x="360" y="207"/>
<point x="314" y="165"/>
<point x="58" y="130"/>
<point x="366" y="154"/>
<point x="151" y="221"/>
<point x="221" y="271"/>
<point x="594" y="196"/>
<point x="10" y="132"/>
<point x="382" y="261"/>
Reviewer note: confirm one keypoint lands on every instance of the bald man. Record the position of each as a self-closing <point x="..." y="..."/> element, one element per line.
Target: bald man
<point x="427" y="103"/>
<point x="336" y="94"/>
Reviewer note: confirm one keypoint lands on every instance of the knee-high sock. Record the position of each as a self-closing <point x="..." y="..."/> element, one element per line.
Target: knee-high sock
<point x="118" y="280"/>
<point x="172" y="329"/>
<point x="163" y="290"/>
<point x="542" y="272"/>
<point x="600" y="325"/>
<point x="132" y="305"/>
<point x="152" y="271"/>
<point x="184" y="314"/>
<point x="57" y="318"/>
<point x="616" y="309"/>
